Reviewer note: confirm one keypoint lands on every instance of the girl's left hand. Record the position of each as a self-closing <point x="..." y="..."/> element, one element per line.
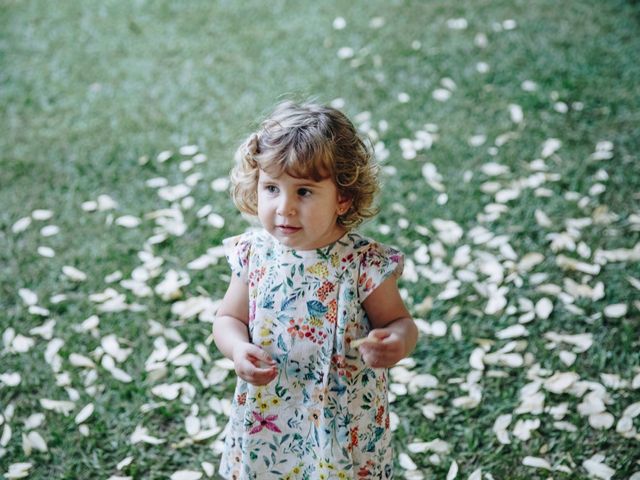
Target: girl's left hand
<point x="383" y="348"/>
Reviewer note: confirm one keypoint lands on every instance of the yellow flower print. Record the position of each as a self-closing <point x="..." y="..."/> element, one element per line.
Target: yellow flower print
<point x="319" y="270"/>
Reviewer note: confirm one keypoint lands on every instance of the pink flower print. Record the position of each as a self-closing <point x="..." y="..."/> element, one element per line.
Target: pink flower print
<point x="264" y="422"/>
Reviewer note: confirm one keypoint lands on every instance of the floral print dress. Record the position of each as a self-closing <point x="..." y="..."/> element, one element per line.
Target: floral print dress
<point x="326" y="415"/>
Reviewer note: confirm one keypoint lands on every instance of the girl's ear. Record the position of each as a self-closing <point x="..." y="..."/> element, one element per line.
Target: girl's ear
<point x="344" y="203"/>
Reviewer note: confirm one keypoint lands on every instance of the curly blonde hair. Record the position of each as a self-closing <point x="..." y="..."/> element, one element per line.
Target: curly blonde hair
<point x="308" y="141"/>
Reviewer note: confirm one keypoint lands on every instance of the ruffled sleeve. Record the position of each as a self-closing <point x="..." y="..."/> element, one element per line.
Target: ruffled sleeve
<point x="237" y="251"/>
<point x="377" y="263"/>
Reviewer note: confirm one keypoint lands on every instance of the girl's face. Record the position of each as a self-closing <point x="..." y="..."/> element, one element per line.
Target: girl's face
<point x="301" y="213"/>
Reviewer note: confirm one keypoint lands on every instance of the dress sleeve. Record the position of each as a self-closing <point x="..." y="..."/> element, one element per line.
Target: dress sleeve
<point x="237" y="250"/>
<point x="377" y="263"/>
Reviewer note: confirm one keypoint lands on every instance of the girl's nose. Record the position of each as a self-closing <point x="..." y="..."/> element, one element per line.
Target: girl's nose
<point x="286" y="206"/>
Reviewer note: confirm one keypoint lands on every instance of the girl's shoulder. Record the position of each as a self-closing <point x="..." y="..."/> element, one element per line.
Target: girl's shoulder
<point x="250" y="239"/>
<point x="364" y="247"/>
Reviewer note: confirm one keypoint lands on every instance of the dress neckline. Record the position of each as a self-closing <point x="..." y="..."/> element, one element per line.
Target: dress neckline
<point x="314" y="252"/>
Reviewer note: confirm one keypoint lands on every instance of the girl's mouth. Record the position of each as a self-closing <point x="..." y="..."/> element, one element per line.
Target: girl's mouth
<point x="288" y="229"/>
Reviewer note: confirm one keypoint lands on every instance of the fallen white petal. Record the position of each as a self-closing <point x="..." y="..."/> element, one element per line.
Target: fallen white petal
<point x="59" y="406"/>
<point x="74" y="274"/>
<point x="536" y="462"/>
<point x="406" y="462"/>
<point x="617" y="310"/>
<point x="84" y="414"/>
<point x="186" y="475"/>
<point x="453" y="471"/>
<point x="601" y="421"/>
<point x="37" y="442"/>
<point x="128" y="221"/>
<point x="595" y="468"/>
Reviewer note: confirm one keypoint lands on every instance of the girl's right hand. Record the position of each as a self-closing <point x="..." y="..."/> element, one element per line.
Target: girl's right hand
<point x="253" y="365"/>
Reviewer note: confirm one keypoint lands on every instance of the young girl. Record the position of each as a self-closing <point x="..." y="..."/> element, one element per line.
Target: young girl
<point x="312" y="317"/>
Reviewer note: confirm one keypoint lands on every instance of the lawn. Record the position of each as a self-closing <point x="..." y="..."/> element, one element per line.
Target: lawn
<point x="508" y="133"/>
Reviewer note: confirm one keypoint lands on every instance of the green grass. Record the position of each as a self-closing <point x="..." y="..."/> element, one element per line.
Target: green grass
<point x="87" y="88"/>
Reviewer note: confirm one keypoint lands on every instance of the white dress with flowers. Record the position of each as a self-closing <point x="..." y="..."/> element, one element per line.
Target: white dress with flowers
<point x="325" y="416"/>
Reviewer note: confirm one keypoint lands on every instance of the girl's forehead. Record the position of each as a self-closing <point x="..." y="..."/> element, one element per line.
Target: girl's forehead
<point x="283" y="175"/>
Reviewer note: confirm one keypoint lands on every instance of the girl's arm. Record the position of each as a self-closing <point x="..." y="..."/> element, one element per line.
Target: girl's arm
<point x="394" y="334"/>
<point x="231" y="335"/>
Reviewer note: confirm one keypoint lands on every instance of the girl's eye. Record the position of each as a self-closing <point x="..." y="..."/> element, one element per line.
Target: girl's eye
<point x="271" y="188"/>
<point x="304" y="192"/>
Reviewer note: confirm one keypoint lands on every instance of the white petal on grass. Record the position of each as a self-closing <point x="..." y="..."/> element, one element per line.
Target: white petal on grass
<point x="493" y="169"/>
<point x="483" y="67"/>
<point x="141" y="435"/>
<point x="339" y="23"/>
<point x="5" y="438"/>
<point x="120" y="375"/>
<point x="37" y="442"/>
<point x="164" y="156"/>
<point x="18" y="470"/>
<point x="215" y="220"/>
<point x="601" y="421"/>
<point x="481" y="40"/>
<point x="617" y="310"/>
<point x="536" y="462"/>
<point x="345" y="53"/>
<point x="89" y="206"/>
<point x="59" y="406"/>
<point x="209" y="469"/>
<point x="84" y="414"/>
<point x="406" y="462"/>
<point x="188" y="150"/>
<point x="542" y="219"/>
<point x="11" y="379"/>
<point x="515" y="111"/>
<point x="377" y="22"/>
<point x="453" y="471"/>
<point x="477" y="140"/>
<point x="543" y="308"/>
<point x="186" y="475"/>
<point x="28" y="296"/>
<point x="596" y="468"/>
<point x="41" y="214"/>
<point x="550" y="146"/>
<point x="157" y="182"/>
<point x="457" y="23"/>
<point x="568" y="358"/>
<point x="167" y="391"/>
<point x="523" y="428"/>
<point x="82" y="361"/>
<point x="73" y="274"/>
<point x="513" y="331"/>
<point x="125" y="462"/>
<point x="561" y="382"/>
<point x="529" y="86"/>
<point x="46" y="252"/>
<point x="170" y="287"/>
<point x="111" y="346"/>
<point x="128" y="221"/>
<point x="21" y="225"/>
<point x="500" y="428"/>
<point x="174" y="193"/>
<point x="49" y="230"/>
<point x="45" y="330"/>
<point x="441" y="94"/>
<point x="220" y="184"/>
